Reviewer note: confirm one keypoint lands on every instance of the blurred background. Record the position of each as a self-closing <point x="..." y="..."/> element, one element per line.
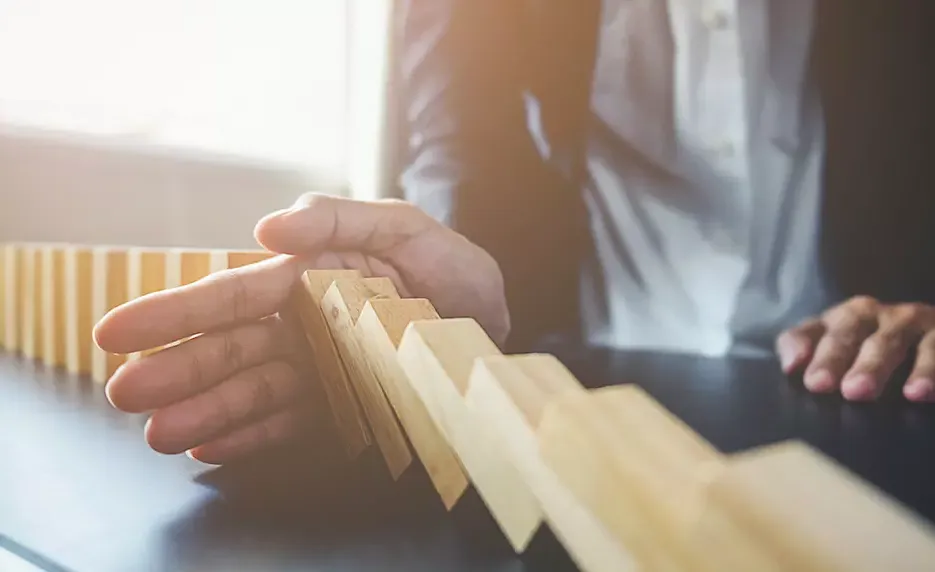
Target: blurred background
<point x="181" y="122"/>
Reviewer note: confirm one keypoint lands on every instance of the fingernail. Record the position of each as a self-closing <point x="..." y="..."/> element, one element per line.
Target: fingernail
<point x="859" y="386"/>
<point x="788" y="359"/>
<point x="919" y="388"/>
<point x="819" y="381"/>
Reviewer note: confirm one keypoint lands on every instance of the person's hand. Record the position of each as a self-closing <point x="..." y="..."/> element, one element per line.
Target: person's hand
<point x="856" y="346"/>
<point x="236" y="386"/>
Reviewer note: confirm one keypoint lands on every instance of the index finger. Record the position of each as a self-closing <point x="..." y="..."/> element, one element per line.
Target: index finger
<point x="219" y="300"/>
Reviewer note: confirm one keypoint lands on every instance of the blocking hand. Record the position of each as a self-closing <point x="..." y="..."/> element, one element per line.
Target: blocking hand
<point x="237" y="385"/>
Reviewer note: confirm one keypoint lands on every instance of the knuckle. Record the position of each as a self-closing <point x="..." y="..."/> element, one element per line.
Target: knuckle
<point x="232" y="354"/>
<point x="864" y="304"/>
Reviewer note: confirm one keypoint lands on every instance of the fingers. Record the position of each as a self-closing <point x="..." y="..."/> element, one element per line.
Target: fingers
<point x="185" y="370"/>
<point x="796" y="346"/>
<point x="846" y="328"/>
<point x="920" y="385"/>
<point x="324" y="222"/>
<point x="246" y="440"/>
<point x="881" y="354"/>
<point x="218" y="301"/>
<point x="249" y="394"/>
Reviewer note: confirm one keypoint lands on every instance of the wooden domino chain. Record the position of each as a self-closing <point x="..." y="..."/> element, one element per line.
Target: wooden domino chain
<point x="623" y="483"/>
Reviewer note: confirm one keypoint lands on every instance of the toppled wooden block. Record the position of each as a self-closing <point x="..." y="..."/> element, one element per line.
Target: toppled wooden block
<point x="636" y="466"/>
<point x="54" y="286"/>
<point x="79" y="321"/>
<point x="508" y="394"/>
<point x="438" y="356"/>
<point x="380" y="328"/>
<point x="341" y="306"/>
<point x="109" y="290"/>
<point x="786" y="507"/>
<point x="345" y="409"/>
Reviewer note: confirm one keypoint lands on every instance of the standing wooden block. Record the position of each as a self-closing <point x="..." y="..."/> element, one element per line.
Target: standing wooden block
<point x="185" y="266"/>
<point x="79" y="270"/>
<point x="109" y="291"/>
<point x="508" y="394"/>
<point x="348" y="417"/>
<point x="8" y="296"/>
<point x="239" y="258"/>
<point x="53" y="305"/>
<point x="31" y="297"/>
<point x="636" y="466"/>
<point x="786" y="507"/>
<point x="146" y="274"/>
<point x="380" y="329"/>
<point x="341" y="306"/>
<point x="438" y="356"/>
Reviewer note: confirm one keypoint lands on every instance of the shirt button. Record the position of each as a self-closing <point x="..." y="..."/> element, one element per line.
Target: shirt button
<point x="716" y="18"/>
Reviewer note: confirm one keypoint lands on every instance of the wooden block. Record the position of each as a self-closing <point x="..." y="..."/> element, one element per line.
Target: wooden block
<point x="438" y="356"/>
<point x="341" y="306"/>
<point x="184" y="266"/>
<point x="380" y="328"/>
<point x="239" y="258"/>
<point x="508" y="394"/>
<point x="109" y="290"/>
<point x="31" y="296"/>
<point x="79" y="271"/>
<point x="346" y="410"/>
<point x="53" y="305"/>
<point x="787" y="507"/>
<point x="146" y="274"/>
<point x="636" y="466"/>
<point x="8" y="287"/>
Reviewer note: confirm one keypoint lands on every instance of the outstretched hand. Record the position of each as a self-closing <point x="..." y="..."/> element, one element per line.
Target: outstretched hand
<point x="238" y="384"/>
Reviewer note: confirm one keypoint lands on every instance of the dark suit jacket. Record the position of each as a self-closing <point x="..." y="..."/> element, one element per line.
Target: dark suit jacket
<point x="473" y="73"/>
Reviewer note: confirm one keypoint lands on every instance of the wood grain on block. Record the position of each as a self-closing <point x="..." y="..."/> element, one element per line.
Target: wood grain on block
<point x="380" y="328"/>
<point x="109" y="290"/>
<point x="53" y="305"/>
<point x="787" y="507"/>
<point x="509" y="394"/>
<point x="31" y="296"/>
<point x="146" y="274"/>
<point x="341" y="306"/>
<point x="636" y="466"/>
<point x="79" y="323"/>
<point x="345" y="408"/>
<point x="438" y="356"/>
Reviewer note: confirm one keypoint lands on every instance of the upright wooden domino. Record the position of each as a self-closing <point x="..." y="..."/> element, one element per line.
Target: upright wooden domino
<point x="10" y="286"/>
<point x="79" y="322"/>
<point x="380" y="329"/>
<point x="109" y="290"/>
<point x="54" y="288"/>
<point x="509" y="394"/>
<point x="146" y="274"/>
<point x="341" y="306"/>
<point x="438" y="356"/>
<point x="345" y="408"/>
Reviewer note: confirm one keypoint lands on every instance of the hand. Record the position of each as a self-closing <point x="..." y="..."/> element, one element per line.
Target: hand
<point x="238" y="385"/>
<point x="856" y="346"/>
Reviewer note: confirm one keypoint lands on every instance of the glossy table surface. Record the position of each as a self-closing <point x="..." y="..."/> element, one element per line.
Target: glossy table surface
<point x="80" y="490"/>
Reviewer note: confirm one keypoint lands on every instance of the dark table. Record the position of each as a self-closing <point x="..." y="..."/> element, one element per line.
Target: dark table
<point x="80" y="490"/>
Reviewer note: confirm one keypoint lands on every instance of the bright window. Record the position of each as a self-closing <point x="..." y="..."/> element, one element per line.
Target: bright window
<point x="261" y="79"/>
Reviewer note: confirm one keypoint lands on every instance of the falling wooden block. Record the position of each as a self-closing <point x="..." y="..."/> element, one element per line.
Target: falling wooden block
<point x="636" y="466"/>
<point x="109" y="290"/>
<point x="786" y="507"/>
<point x="346" y="410"/>
<point x="31" y="301"/>
<point x="508" y="394"/>
<point x="438" y="356"/>
<point x="341" y="306"/>
<point x="54" y="286"/>
<point x="79" y="324"/>
<point x="380" y="329"/>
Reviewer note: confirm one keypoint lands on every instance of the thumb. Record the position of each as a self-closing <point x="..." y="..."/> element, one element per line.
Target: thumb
<point x="318" y="222"/>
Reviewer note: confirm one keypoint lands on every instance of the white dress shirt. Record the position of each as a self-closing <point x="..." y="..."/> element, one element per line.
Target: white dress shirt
<point x="709" y="247"/>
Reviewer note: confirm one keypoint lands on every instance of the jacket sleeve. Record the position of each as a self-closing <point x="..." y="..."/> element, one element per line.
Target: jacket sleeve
<point x="472" y="161"/>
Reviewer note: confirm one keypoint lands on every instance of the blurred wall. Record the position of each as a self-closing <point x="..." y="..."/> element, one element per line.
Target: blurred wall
<point x="74" y="190"/>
